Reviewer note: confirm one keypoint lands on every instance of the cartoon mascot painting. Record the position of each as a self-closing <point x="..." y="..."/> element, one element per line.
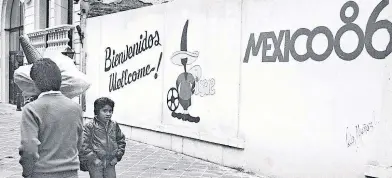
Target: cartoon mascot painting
<point x="186" y="81"/>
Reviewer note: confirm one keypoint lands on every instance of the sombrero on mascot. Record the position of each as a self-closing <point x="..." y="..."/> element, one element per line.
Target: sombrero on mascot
<point x="73" y="83"/>
<point x="184" y="55"/>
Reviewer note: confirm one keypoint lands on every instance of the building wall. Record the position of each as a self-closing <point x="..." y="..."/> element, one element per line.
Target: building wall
<point x="3" y="47"/>
<point x="35" y="14"/>
<point x="35" y="20"/>
<point x="275" y="112"/>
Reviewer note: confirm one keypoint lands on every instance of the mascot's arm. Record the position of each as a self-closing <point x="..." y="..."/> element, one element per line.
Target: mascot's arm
<point x="193" y="86"/>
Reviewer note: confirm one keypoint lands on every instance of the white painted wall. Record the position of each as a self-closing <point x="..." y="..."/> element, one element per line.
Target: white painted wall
<point x="214" y="34"/>
<point x="285" y="119"/>
<point x="147" y="97"/>
<point x="306" y="107"/>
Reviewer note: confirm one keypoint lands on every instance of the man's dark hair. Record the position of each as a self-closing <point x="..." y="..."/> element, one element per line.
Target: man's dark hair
<point x="102" y="102"/>
<point x="46" y="75"/>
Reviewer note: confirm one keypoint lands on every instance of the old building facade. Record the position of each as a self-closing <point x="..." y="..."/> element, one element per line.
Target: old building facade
<point x="50" y="25"/>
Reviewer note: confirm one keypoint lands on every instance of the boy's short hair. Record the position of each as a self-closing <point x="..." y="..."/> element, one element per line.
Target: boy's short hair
<point x="46" y="75"/>
<point x="102" y="102"/>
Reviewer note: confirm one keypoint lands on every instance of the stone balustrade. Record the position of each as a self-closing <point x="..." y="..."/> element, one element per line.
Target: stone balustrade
<point x="53" y="38"/>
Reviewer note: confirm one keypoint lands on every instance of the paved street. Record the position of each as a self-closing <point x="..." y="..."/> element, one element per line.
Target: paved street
<point x="140" y="160"/>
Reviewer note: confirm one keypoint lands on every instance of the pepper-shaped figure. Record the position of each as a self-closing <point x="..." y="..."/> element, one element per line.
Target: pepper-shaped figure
<point x="186" y="81"/>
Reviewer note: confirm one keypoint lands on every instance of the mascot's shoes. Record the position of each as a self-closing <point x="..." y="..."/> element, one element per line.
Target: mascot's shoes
<point x="186" y="117"/>
<point x="196" y="119"/>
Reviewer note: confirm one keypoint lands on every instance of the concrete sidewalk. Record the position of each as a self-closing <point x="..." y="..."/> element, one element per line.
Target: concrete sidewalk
<point x="140" y="160"/>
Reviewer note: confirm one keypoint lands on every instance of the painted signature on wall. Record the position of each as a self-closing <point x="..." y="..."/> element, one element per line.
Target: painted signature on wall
<point x="360" y="130"/>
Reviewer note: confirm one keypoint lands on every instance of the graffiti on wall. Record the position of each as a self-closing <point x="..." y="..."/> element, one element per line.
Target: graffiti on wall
<point x="365" y="39"/>
<point x="360" y="130"/>
<point x="205" y="87"/>
<point x="114" y="59"/>
<point x="188" y="83"/>
<point x="354" y="134"/>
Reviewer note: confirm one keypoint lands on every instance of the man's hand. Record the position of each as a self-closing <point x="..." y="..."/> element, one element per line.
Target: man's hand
<point x="114" y="161"/>
<point x="27" y="161"/>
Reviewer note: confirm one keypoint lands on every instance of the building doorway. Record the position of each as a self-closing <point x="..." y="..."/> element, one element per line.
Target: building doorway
<point x="15" y="30"/>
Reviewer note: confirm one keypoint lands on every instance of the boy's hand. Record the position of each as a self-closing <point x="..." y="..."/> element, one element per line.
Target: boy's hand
<point x="100" y="153"/>
<point x="114" y="161"/>
<point x="97" y="162"/>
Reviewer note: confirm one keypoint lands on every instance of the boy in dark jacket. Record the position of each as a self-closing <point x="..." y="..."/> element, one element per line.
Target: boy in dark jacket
<point x="103" y="142"/>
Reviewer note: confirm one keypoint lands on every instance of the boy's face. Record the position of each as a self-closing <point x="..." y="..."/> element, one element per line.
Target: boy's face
<point x="105" y="113"/>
